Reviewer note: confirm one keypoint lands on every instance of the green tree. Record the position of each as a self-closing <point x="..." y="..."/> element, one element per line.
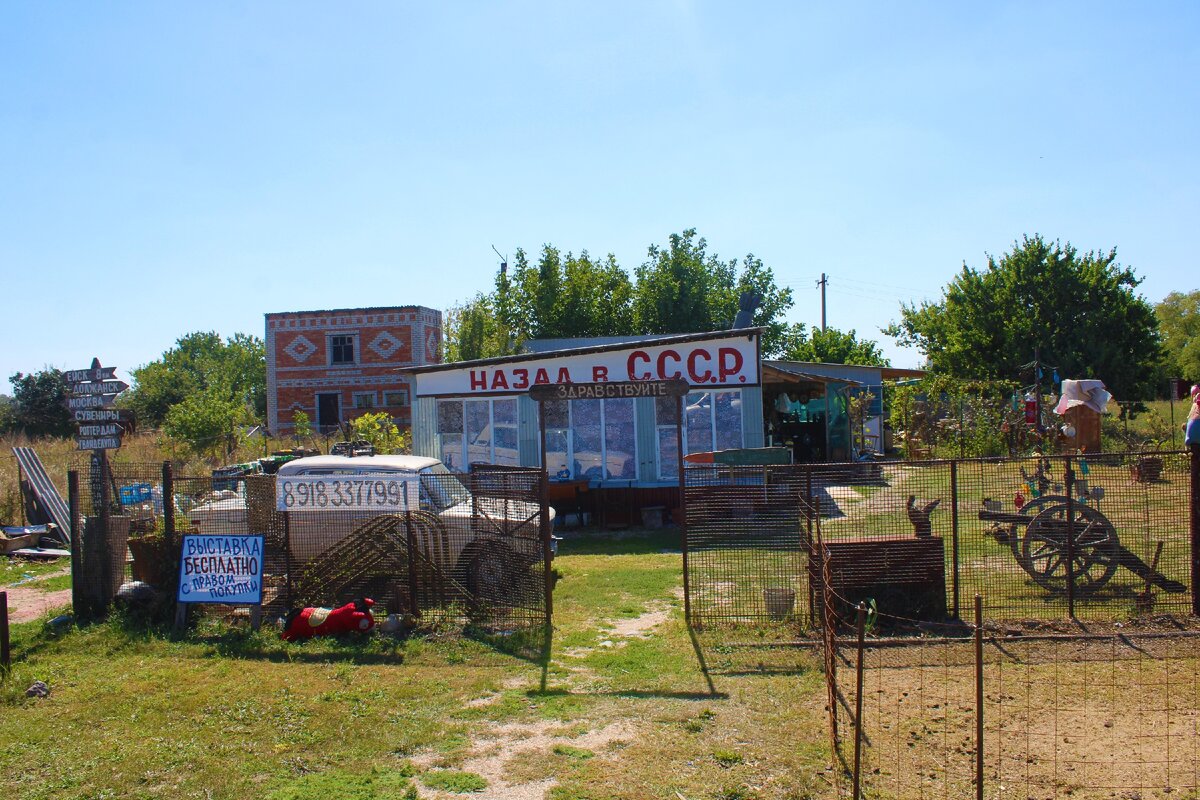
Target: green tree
<point x="39" y="405"/>
<point x="564" y="296"/>
<point x="685" y="289"/>
<point x="1079" y="309"/>
<point x="474" y="330"/>
<point x="1179" y="323"/>
<point x="205" y="422"/>
<point x="831" y="346"/>
<point x="381" y="432"/>
<point x="233" y="369"/>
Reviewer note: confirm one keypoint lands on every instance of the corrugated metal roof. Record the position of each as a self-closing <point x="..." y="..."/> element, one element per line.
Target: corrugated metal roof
<point x="796" y="369"/>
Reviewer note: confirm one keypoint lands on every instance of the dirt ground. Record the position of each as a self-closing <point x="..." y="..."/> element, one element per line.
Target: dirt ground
<point x="1106" y="718"/>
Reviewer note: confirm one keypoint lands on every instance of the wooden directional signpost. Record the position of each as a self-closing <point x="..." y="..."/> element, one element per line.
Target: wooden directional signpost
<point x="92" y="392"/>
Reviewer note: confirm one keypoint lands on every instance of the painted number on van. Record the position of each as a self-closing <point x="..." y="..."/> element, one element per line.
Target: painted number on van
<point x="347" y="493"/>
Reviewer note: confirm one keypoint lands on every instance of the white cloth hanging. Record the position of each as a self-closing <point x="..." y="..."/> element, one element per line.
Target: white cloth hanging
<point x="1090" y="393"/>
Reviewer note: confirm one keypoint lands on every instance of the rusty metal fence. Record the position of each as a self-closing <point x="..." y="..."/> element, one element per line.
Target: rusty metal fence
<point x="1112" y="713"/>
<point x="1101" y="537"/>
<point x="475" y="547"/>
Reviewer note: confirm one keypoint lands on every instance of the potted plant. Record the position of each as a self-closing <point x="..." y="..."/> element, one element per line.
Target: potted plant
<point x="779" y="600"/>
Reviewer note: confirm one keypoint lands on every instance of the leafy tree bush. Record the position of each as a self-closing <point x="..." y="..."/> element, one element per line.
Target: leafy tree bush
<point x="234" y="369"/>
<point x="205" y="422"/>
<point x="831" y="346"/>
<point x="381" y="432"/>
<point x="1081" y="310"/>
<point x="680" y="288"/>
<point x="38" y="406"/>
<point x="1179" y="322"/>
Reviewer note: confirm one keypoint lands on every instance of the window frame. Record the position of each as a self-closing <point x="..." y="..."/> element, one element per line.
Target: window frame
<point x="335" y="348"/>
<point x="687" y="443"/>
<point x="355" y="397"/>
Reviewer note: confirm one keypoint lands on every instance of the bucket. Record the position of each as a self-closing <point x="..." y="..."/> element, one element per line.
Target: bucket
<point x="652" y="516"/>
<point x="779" y="601"/>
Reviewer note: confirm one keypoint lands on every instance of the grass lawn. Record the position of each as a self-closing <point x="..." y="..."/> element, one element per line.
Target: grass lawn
<point x="623" y="709"/>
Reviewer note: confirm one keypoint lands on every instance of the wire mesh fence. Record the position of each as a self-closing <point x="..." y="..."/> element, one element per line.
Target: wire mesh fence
<point x="417" y="541"/>
<point x="1100" y="537"/>
<point x="1113" y="713"/>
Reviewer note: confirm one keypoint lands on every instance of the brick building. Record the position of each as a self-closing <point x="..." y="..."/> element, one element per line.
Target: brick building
<point x="339" y="364"/>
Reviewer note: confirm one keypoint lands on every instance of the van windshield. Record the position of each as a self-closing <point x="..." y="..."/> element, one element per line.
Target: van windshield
<point x="442" y="487"/>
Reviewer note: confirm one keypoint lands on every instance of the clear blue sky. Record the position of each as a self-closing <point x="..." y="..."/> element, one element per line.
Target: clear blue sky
<point x="171" y="167"/>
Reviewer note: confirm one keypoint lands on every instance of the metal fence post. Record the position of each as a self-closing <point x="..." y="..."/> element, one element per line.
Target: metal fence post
<point x="954" y="535"/>
<point x="858" y="702"/>
<point x="168" y="493"/>
<point x="547" y="531"/>
<point x="1069" y="481"/>
<point x="978" y="697"/>
<point x="1194" y="496"/>
<point x="414" y="606"/>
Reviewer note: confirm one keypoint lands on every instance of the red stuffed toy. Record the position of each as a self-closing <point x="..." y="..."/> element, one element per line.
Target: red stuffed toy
<point x="305" y="623"/>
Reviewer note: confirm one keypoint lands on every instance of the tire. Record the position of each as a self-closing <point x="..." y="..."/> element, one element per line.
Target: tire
<point x="492" y="573"/>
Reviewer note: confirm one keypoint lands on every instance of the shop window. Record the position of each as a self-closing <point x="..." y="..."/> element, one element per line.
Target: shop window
<point x="364" y="400"/>
<point x="477" y="431"/>
<point x="341" y="349"/>
<point x="712" y="420"/>
<point x="592" y="439"/>
<point x="395" y="399"/>
<point x="450" y="434"/>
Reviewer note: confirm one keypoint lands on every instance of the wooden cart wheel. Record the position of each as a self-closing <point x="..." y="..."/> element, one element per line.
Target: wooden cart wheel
<point x="1032" y="509"/>
<point x="1096" y="548"/>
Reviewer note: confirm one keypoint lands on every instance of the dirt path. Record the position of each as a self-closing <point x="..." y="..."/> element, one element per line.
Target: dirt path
<point x="27" y="603"/>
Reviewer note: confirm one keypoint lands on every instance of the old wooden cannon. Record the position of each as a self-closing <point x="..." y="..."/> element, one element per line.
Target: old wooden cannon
<point x="1085" y="546"/>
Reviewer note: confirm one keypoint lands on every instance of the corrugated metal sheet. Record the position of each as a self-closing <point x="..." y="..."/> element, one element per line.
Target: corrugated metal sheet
<point x="44" y="489"/>
<point x="424" y="427"/>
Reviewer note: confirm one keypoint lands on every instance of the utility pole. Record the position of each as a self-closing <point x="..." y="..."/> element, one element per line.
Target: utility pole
<point x="822" y="283"/>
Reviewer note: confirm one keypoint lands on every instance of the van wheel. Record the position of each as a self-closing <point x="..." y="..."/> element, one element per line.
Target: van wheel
<point x="491" y="573"/>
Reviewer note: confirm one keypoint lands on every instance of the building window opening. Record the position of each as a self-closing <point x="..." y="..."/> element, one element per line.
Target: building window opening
<point x="364" y="400"/>
<point x="395" y="399"/>
<point x="341" y="349"/>
<point x="477" y="431"/>
<point x="712" y="420"/>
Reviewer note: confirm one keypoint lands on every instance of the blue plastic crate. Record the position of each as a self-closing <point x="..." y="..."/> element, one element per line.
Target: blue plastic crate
<point x="134" y="493"/>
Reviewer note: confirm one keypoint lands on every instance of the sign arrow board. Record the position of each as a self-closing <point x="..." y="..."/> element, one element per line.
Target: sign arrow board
<point x="85" y="375"/>
<point x="89" y="431"/>
<point x="100" y="387"/>
<point x="91" y="401"/>
<point x="102" y="443"/>
<point x="97" y="414"/>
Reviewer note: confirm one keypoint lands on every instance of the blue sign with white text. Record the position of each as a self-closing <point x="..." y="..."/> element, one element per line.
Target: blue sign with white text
<point x="221" y="569"/>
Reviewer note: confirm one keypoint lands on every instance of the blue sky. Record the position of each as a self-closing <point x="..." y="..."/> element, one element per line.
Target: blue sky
<point x="169" y="167"/>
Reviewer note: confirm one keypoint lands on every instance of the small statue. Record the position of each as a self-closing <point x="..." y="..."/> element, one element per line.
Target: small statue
<point x="919" y="515"/>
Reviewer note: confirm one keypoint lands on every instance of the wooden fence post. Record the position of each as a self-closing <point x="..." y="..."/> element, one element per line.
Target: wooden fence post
<point x="76" y="532"/>
<point x="5" y="648"/>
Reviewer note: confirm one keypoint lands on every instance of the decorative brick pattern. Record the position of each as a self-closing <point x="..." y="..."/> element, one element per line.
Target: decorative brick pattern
<point x="298" y="366"/>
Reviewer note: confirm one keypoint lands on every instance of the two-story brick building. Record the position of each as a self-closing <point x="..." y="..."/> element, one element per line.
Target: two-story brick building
<point x="338" y="364"/>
